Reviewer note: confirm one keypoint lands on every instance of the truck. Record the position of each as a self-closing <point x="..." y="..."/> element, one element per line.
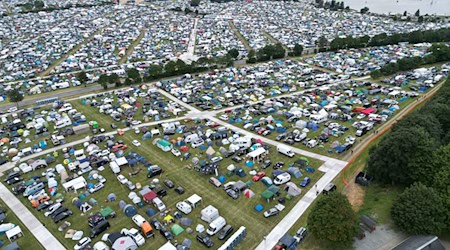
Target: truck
<point x="283" y="149"/>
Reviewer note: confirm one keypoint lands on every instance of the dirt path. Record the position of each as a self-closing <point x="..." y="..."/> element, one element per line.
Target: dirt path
<point x="239" y="36"/>
<point x="130" y="48"/>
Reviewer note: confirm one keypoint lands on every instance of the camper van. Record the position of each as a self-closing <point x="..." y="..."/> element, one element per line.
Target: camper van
<point x="282" y="149"/>
<point x="216" y="225"/>
<point x="62" y="123"/>
<point x="79" y="154"/>
<point x="282" y="178"/>
<point x="33" y="189"/>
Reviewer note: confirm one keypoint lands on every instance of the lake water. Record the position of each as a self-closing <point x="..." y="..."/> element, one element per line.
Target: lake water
<point x="439" y="7"/>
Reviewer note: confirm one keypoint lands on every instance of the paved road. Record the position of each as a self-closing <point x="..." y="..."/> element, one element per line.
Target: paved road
<point x="32" y="223"/>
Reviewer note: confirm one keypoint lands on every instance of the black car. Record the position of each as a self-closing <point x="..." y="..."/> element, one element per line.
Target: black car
<point x="162" y="230"/>
<point x="62" y="216"/>
<point x="44" y="205"/>
<point x="278" y="165"/>
<point x="324" y="138"/>
<point x="19" y="188"/>
<point x="205" y="240"/>
<point x="14" y="180"/>
<point x="95" y="219"/>
<point x="160" y="191"/>
<point x="232" y="193"/>
<point x="154" y="171"/>
<point x="58" y="211"/>
<point x="11" y="175"/>
<point x="99" y="228"/>
<point x="169" y="183"/>
<point x="225" y="232"/>
<point x="179" y="190"/>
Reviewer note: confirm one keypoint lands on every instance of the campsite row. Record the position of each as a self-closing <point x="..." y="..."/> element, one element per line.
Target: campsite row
<point x="108" y="188"/>
<point x="361" y="62"/>
<point x="233" y="86"/>
<point x="37" y="45"/>
<point x="327" y="119"/>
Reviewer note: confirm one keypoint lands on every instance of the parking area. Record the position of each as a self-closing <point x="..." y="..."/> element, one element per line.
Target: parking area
<point x="247" y="174"/>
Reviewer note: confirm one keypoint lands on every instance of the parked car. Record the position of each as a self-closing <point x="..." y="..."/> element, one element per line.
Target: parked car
<point x="205" y="240"/>
<point x="175" y="152"/>
<point x="134" y="234"/>
<point x="258" y="176"/>
<point x="136" y="143"/>
<point x="184" y="207"/>
<point x="232" y="193"/>
<point x="82" y="243"/>
<point x="154" y="171"/>
<point x="169" y="183"/>
<point x="305" y="182"/>
<point x="179" y="190"/>
<point x="225" y="232"/>
<point x="122" y="179"/>
<point x="271" y="212"/>
<point x="96" y="187"/>
<point x="300" y="234"/>
<point x="62" y="216"/>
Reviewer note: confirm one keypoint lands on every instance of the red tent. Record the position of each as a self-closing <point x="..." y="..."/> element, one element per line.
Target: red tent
<point x="368" y="111"/>
<point x="148" y="197"/>
<point x="184" y="149"/>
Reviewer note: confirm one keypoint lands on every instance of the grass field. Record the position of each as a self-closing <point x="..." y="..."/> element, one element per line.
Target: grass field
<point x="238" y="212"/>
<point x="27" y="241"/>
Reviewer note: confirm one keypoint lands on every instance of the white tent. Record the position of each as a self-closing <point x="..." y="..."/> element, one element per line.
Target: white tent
<point x="194" y="200"/>
<point x="14" y="233"/>
<point x="167" y="246"/>
<point x="75" y="184"/>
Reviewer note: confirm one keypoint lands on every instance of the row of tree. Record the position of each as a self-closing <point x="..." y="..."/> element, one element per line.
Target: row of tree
<point x="333" y="5"/>
<point x="268" y="52"/>
<point x="432" y="36"/>
<point x="438" y="53"/>
<point x="416" y="154"/>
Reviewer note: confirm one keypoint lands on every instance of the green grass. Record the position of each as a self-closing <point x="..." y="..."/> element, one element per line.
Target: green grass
<point x="378" y="202"/>
<point x="238" y="212"/>
<point x="27" y="241"/>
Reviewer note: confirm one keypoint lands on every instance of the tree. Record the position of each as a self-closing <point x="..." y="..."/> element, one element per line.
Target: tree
<point x="251" y="56"/>
<point x="417" y="14"/>
<point x="405" y="13"/>
<point x="129" y="82"/>
<point x="403" y="157"/>
<point x="419" y="210"/>
<point x="333" y="219"/>
<point x="376" y="74"/>
<point x="322" y="42"/>
<point x="195" y="2"/>
<point x="234" y="53"/>
<point x="134" y="75"/>
<point x="38" y="5"/>
<point x="15" y="96"/>
<point x="114" y="79"/>
<point x="364" y="10"/>
<point x="82" y="77"/>
<point x="103" y="80"/>
<point x="298" y="49"/>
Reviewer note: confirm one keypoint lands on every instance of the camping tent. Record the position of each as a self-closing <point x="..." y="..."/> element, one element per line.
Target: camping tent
<point x="293" y="189"/>
<point x="295" y="172"/>
<point x="177" y="229"/>
<point x="194" y="200"/>
<point x="267" y="194"/>
<point x="249" y="193"/>
<point x="267" y="181"/>
<point x="129" y="210"/>
<point x="111" y="197"/>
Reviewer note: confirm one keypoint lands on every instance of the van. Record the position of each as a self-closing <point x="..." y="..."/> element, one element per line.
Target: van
<point x="158" y="203"/>
<point x="282" y="178"/>
<point x="361" y="131"/>
<point x="282" y="149"/>
<point x="215" y="182"/>
<point x="62" y="123"/>
<point x="99" y="228"/>
<point x="146" y="229"/>
<point x="33" y="189"/>
<point x="312" y="143"/>
<point x="216" y="225"/>
<point x="318" y="118"/>
<point x="79" y="154"/>
<point x="330" y="187"/>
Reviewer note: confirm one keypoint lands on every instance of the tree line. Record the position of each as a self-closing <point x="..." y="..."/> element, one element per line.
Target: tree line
<point x="271" y="52"/>
<point x="416" y="155"/>
<point x="431" y="36"/>
<point x="437" y="53"/>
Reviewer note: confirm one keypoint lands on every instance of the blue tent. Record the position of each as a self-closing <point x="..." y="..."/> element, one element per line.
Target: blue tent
<point x="202" y="147"/>
<point x="222" y="179"/>
<point x="249" y="164"/>
<point x="146" y="136"/>
<point x="259" y="207"/>
<point x="295" y="172"/>
<point x="129" y="210"/>
<point x="309" y="169"/>
<point x="150" y="212"/>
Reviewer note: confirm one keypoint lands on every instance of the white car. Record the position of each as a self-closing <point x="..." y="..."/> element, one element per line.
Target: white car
<point x="137" y="131"/>
<point x="52" y="209"/>
<point x="101" y="179"/>
<point x="184" y="207"/>
<point x="122" y="179"/>
<point x="138" y="220"/>
<point x="82" y="243"/>
<point x="134" y="234"/>
<point x="224" y="117"/>
<point x="136" y="143"/>
<point x="48" y="172"/>
<point x="176" y="152"/>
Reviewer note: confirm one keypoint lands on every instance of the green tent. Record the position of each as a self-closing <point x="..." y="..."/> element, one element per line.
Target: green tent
<point x="274" y="189"/>
<point x="267" y="194"/>
<point x="94" y="124"/>
<point x="177" y="229"/>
